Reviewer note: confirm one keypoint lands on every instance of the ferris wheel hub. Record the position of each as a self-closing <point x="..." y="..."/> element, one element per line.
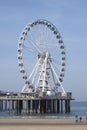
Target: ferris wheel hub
<point x="43" y="55"/>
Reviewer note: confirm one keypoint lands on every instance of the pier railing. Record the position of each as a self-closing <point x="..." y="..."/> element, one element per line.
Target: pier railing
<point x="13" y="96"/>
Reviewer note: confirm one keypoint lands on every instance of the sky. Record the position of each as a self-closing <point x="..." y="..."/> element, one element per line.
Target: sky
<point x="70" y="18"/>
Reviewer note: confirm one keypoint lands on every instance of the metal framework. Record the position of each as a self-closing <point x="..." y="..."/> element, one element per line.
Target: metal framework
<point x="41" y="58"/>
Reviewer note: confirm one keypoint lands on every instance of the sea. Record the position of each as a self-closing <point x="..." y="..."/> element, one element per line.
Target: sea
<point x="78" y="108"/>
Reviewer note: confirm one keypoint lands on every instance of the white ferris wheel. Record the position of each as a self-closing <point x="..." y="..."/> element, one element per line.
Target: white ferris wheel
<point x="41" y="58"/>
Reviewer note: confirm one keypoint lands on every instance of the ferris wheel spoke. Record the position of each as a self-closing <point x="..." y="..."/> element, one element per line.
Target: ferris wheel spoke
<point x="48" y="45"/>
<point x="28" y="49"/>
<point x="35" y="39"/>
<point x="36" y="47"/>
<point x="56" y="62"/>
<point x="48" y="39"/>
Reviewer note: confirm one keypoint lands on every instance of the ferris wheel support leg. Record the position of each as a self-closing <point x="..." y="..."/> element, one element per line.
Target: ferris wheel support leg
<point x="35" y="73"/>
<point x="57" y="78"/>
<point x="44" y="69"/>
<point x="41" y="73"/>
<point x="23" y="88"/>
<point x="33" y="70"/>
<point x="53" y="76"/>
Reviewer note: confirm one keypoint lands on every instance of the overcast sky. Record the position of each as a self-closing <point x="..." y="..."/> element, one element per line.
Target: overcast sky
<point x="69" y="16"/>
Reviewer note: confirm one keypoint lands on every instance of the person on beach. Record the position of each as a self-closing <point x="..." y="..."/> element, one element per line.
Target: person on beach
<point x="80" y="119"/>
<point x="76" y="118"/>
<point x="86" y="118"/>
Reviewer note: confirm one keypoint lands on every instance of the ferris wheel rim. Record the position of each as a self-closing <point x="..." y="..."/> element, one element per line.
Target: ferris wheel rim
<point x="58" y="37"/>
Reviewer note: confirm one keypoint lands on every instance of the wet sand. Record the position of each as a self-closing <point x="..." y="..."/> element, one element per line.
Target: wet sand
<point x="41" y="124"/>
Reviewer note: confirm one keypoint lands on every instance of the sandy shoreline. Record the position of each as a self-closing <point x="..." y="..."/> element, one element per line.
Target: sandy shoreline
<point x="41" y="124"/>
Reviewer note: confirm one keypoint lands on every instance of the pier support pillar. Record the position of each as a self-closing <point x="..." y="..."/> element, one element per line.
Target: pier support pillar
<point x="20" y="106"/>
<point x="5" y="105"/>
<point x="38" y="106"/>
<point x="46" y="106"/>
<point x="28" y="106"/>
<point x="61" y="106"/>
<point x="1" y="105"/>
<point x="8" y="105"/>
<point x="33" y="106"/>
<point x="69" y="109"/>
<point x="51" y="106"/>
<point x="67" y="106"/>
<point x="25" y="106"/>
<point x="58" y="106"/>
<point x="55" y="106"/>
<point x="15" y="105"/>
<point x="12" y="104"/>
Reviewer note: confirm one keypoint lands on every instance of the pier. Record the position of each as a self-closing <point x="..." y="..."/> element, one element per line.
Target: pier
<point x="23" y="103"/>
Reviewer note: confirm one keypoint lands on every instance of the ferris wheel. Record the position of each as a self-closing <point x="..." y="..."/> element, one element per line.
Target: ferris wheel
<point x="41" y="58"/>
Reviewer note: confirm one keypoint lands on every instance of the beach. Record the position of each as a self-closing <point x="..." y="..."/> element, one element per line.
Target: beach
<point x="42" y="124"/>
